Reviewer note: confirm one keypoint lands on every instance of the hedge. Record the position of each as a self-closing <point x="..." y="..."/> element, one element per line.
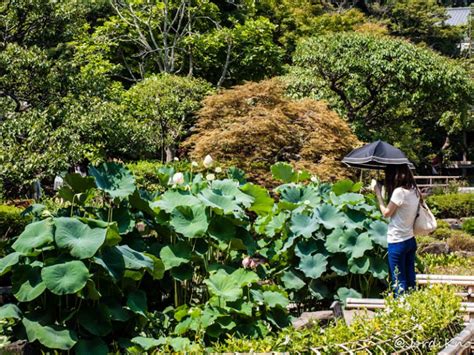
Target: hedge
<point x="12" y="223"/>
<point x="452" y="205"/>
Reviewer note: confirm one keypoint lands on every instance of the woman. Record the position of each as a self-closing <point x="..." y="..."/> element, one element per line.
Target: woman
<point x="403" y="197"/>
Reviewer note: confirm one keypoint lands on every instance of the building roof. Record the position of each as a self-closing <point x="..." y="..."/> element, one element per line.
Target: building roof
<point x="458" y="16"/>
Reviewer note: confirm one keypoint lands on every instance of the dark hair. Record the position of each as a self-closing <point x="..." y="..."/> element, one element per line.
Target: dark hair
<point x="398" y="176"/>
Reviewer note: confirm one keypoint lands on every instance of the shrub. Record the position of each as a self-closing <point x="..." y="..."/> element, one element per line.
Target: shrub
<point x="447" y="264"/>
<point x="11" y="221"/>
<point x="431" y="315"/>
<point x="452" y="205"/>
<point x="254" y="125"/>
<point x="442" y="233"/>
<point x="468" y="225"/>
<point x="461" y="241"/>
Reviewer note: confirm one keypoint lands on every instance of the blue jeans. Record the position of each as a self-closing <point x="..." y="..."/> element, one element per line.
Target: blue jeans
<point x="401" y="263"/>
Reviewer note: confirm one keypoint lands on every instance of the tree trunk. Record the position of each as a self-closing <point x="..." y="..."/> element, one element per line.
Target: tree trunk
<point x="170" y="153"/>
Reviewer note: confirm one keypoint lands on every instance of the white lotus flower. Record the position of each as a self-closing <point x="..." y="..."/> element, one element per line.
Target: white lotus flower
<point x="218" y="170"/>
<point x="176" y="159"/>
<point x="208" y="161"/>
<point x="314" y="178"/>
<point x="210" y="177"/>
<point x="178" y="178"/>
<point x="194" y="164"/>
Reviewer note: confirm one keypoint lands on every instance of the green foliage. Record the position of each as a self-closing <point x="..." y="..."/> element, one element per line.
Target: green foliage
<point x="436" y="316"/>
<point x="468" y="225"/>
<point x="452" y="205"/>
<point x="392" y="88"/>
<point x="461" y="241"/>
<point x="11" y="221"/>
<point x="447" y="264"/>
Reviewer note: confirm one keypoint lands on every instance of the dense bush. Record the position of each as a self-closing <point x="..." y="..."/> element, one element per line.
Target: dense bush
<point x="421" y="322"/>
<point x="446" y="264"/>
<point x="252" y="126"/>
<point x="461" y="241"/>
<point x="452" y="205"/>
<point x="468" y="225"/>
<point x="120" y="269"/>
<point x="11" y="221"/>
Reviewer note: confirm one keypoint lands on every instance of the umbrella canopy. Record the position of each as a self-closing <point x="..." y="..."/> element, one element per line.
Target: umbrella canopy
<point x="376" y="155"/>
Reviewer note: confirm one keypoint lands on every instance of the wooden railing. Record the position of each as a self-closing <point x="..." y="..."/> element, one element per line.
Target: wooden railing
<point x="431" y="180"/>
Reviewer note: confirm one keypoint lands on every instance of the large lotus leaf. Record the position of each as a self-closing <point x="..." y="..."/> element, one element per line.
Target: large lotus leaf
<point x="215" y="199"/>
<point x="354" y="244"/>
<point x="172" y="199"/>
<point x="140" y="201"/>
<point x="81" y="240"/>
<point x="378" y="267"/>
<point x="114" y="179"/>
<point x="343" y="293"/>
<point x="112" y="261"/>
<point x="355" y="219"/>
<point x="276" y="224"/>
<point x="338" y="264"/>
<point x="313" y="266"/>
<point x="135" y="260"/>
<point x="333" y="241"/>
<point x="378" y="233"/>
<point x="115" y="310"/>
<point x="306" y="247"/>
<point x="10" y="311"/>
<point x="66" y="278"/>
<point x="284" y="172"/>
<point x="235" y="173"/>
<point x="299" y="194"/>
<point x="359" y="265"/>
<point x="95" y="321"/>
<point x="292" y="238"/>
<point x="27" y="283"/>
<point x="183" y="272"/>
<point x="175" y="255"/>
<point x="262" y="203"/>
<point x="303" y="225"/>
<point x="329" y="216"/>
<point x="158" y="267"/>
<point x="112" y="236"/>
<point x="35" y="235"/>
<point x="221" y="229"/>
<point x="350" y="199"/>
<point x="77" y="188"/>
<point x="190" y="221"/>
<point x="148" y="343"/>
<point x="137" y="302"/>
<point x="318" y="289"/>
<point x="8" y="261"/>
<point x="94" y="346"/>
<point x="275" y="299"/>
<point x="125" y="220"/>
<point x="342" y="187"/>
<point x="222" y="285"/>
<point x="51" y="336"/>
<point x="231" y="189"/>
<point x="244" y="277"/>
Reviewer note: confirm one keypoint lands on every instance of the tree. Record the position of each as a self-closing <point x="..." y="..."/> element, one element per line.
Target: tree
<point x="387" y="88"/>
<point x="254" y="125"/>
<point x="165" y="103"/>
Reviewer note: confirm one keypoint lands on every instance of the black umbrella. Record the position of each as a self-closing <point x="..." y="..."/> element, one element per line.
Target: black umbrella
<point x="376" y="155"/>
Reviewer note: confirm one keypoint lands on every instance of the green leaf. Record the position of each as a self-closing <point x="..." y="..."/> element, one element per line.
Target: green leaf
<point x="329" y="217"/>
<point x="378" y="233"/>
<point x="291" y="280"/>
<point x="284" y="172"/>
<point x="306" y="247"/>
<point x="137" y="302"/>
<point x="94" y="346"/>
<point x="158" y="267"/>
<point x="303" y="225"/>
<point x="343" y="293"/>
<point x="35" y="235"/>
<point x="27" y="283"/>
<point x="115" y="310"/>
<point x="111" y="259"/>
<point x="354" y="244"/>
<point x="313" y="266"/>
<point x="222" y="285"/>
<point x="183" y="272"/>
<point x="276" y="224"/>
<point x="342" y="187"/>
<point x="333" y="241"/>
<point x="175" y="255"/>
<point x="222" y="229"/>
<point x="77" y="189"/>
<point x="172" y="199"/>
<point x="8" y="261"/>
<point x="231" y="189"/>
<point x="51" y="336"/>
<point x="81" y="240"/>
<point x="338" y="264"/>
<point x="378" y="267"/>
<point x="318" y="289"/>
<point x="275" y="299"/>
<point x="244" y="277"/>
<point x="133" y="259"/>
<point x="148" y="343"/>
<point x="262" y="203"/>
<point x="10" y="311"/>
<point x="95" y="321"/>
<point x="66" y="278"/>
<point x="359" y="265"/>
<point x="114" y="179"/>
<point x="190" y="221"/>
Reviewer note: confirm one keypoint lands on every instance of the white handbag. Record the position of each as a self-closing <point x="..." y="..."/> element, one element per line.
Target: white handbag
<point x="425" y="222"/>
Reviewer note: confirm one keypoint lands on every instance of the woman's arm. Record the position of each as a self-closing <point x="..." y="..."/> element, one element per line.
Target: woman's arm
<point x="387" y="211"/>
